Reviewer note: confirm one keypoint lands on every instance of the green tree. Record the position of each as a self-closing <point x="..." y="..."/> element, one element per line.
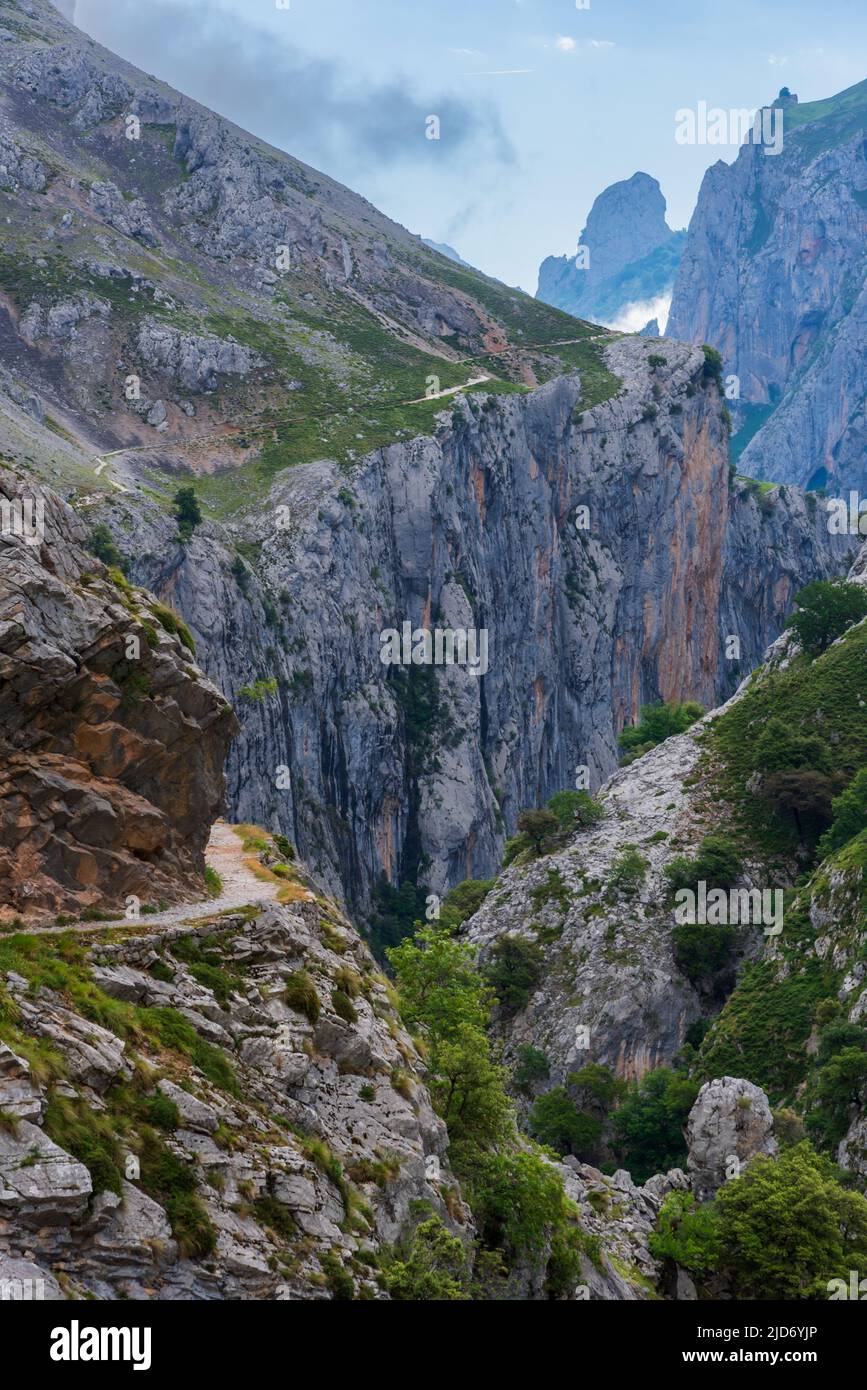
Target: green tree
<point x="574" y="810"/>
<point x="532" y="1067"/>
<point x="557" y="1123"/>
<point x="514" y="969"/>
<point x="432" y="1268"/>
<point x="440" y="986"/>
<point x="849" y="810"/>
<point x="717" y="863"/>
<point x="539" y="827"/>
<point x="461" y="902"/>
<point x="188" y="513"/>
<point x="787" y="1227"/>
<point x="824" y="610"/>
<point x="781" y="748"/>
<point x="837" y="1091"/>
<point x="657" y="723"/>
<point x="687" y="1235"/>
<point x="100" y="543"/>
<point x="649" y="1124"/>
<point x="517" y="1201"/>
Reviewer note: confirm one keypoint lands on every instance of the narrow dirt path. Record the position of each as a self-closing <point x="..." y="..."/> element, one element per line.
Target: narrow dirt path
<point x="241" y="888"/>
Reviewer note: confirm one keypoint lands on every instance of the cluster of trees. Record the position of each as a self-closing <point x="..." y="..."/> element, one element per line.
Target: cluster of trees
<point x="783" y="1230"/>
<point x="610" y="1123"/>
<point x="657" y="723"/>
<point x="544" y="830"/>
<point x="522" y="1215"/>
<point x="824" y="610"/>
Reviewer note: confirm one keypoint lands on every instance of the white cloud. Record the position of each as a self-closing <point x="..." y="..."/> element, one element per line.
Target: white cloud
<point x="633" y="317"/>
<point x="565" y="44"/>
<point x="776" y="61"/>
<point x="601" y="43"/>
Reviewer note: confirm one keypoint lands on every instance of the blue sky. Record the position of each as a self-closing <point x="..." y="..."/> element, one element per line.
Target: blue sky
<point x="542" y="104"/>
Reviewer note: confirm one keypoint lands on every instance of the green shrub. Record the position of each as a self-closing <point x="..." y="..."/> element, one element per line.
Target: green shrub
<point x="259" y="690"/>
<point x="687" y="1235"/>
<point x="158" y="1110"/>
<point x="432" y="1267"/>
<point x="657" y="723"/>
<point x="849" y="810"/>
<point x="628" y="872"/>
<point x="463" y="901"/>
<point x="300" y="995"/>
<point x="824" y="610"/>
<point x="558" y="1124"/>
<point x="343" y="1006"/>
<point x="717" y="863"/>
<point x="532" y="1067"/>
<point x="100" y="543"/>
<point x="514" y="969"/>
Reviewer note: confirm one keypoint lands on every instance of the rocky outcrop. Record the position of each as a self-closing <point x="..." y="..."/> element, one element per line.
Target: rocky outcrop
<point x="627" y="255"/>
<point x="772" y="275"/>
<point x="290" y="1108"/>
<point x="130" y="218"/>
<point x="113" y="741"/>
<point x="18" y="169"/>
<point x="729" y="1124"/>
<point x="192" y="362"/>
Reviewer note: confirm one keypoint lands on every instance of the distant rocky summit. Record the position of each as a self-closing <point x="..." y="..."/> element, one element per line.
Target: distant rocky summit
<point x="773" y="275"/>
<point x="627" y="258"/>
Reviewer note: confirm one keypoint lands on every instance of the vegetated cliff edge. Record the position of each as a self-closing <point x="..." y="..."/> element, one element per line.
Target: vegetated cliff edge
<point x="773" y="276"/>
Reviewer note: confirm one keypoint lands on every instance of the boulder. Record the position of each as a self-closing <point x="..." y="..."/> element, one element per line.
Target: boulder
<point x="729" y="1124"/>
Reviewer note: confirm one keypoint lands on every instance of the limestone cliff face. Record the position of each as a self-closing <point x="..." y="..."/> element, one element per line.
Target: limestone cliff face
<point x="475" y="527"/>
<point x="610" y="990"/>
<point x="772" y="275"/>
<point x="113" y="741"/>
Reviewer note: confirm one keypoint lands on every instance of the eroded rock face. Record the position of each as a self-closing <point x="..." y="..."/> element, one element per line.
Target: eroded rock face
<point x="112" y="740"/>
<point x="729" y="1124"/>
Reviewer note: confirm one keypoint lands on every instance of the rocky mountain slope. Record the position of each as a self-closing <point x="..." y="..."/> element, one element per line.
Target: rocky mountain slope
<point x="223" y="1111"/>
<point x="113" y="741"/>
<point x="153" y="324"/>
<point x="772" y="275"/>
<point x="619" y="985"/>
<point x="627" y="258"/>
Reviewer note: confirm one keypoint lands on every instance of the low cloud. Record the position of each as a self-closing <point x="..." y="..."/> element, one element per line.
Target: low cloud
<point x="305" y="105"/>
<point x="633" y="317"/>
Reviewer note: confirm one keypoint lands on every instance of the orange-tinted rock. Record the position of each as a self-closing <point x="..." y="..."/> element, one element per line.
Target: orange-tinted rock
<point x="111" y="751"/>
